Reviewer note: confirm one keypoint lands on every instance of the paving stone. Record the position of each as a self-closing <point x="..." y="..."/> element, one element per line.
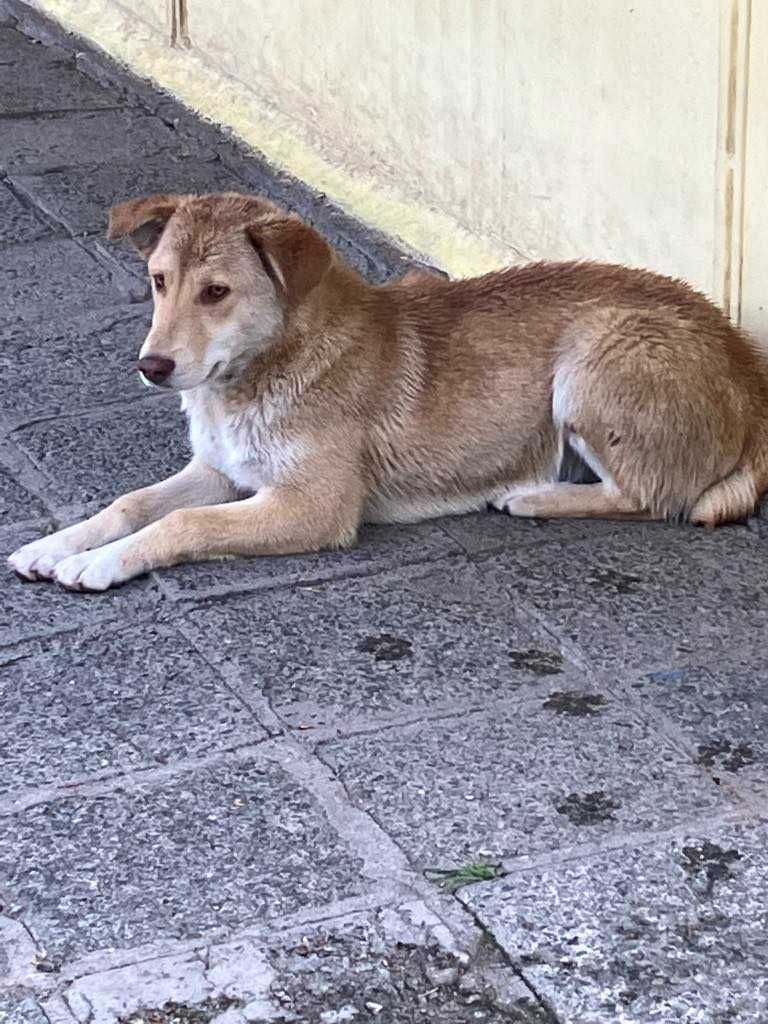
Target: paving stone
<point x="19" y="955"/>
<point x="387" y="966"/>
<point x="30" y="610"/>
<point x="50" y="279"/>
<point x="32" y="145"/>
<point x="652" y="598"/>
<point x="721" y="709"/>
<point x="113" y="701"/>
<point x="104" y="455"/>
<point x="366" y="648"/>
<point x="403" y="969"/>
<point x="17" y="222"/>
<point x="69" y="365"/>
<point x="674" y="931"/>
<point x="16" y="502"/>
<point x="20" y="1009"/>
<point x="378" y="548"/>
<point x="491" y="531"/>
<point x="112" y="996"/>
<point x="17" y="48"/>
<point x="543" y="775"/>
<point x="135" y="91"/>
<point x="52" y="88"/>
<point x="222" y="847"/>
<point x="125" y="256"/>
<point x="81" y="198"/>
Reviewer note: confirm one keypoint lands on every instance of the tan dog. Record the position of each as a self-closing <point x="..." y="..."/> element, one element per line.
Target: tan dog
<point x="317" y="401"/>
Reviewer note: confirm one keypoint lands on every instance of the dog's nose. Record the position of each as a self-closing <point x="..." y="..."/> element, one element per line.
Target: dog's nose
<point x="156" y="369"/>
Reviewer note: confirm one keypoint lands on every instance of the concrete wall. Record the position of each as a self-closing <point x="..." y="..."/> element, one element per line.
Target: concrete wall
<point x="496" y="130"/>
<point x="553" y="127"/>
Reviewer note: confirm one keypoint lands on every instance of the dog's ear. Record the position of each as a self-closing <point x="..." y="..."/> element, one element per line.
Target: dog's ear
<point x="143" y="220"/>
<point x="293" y="255"/>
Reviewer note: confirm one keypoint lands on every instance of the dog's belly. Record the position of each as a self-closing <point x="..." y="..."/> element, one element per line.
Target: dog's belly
<point x="411" y="481"/>
<point x="389" y="509"/>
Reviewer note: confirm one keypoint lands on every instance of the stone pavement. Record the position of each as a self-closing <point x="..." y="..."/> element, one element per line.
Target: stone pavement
<point x="226" y="790"/>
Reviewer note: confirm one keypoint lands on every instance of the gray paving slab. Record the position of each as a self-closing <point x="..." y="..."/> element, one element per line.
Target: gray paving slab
<point x="16" y="48"/>
<point x="391" y="964"/>
<point x="66" y="366"/>
<point x="32" y="145"/>
<point x="721" y="708"/>
<point x="655" y="598"/>
<point x="21" y="1009"/>
<point x="366" y="649"/>
<point x="123" y="254"/>
<point x="18" y="222"/>
<point x="672" y="931"/>
<point x="52" y="88"/>
<point x="80" y="198"/>
<point x="487" y="532"/>
<point x="51" y="279"/>
<point x="378" y="548"/>
<point x="544" y="775"/>
<point x="104" y="455"/>
<point x="16" y="501"/>
<point x="39" y="610"/>
<point x="218" y="848"/>
<point x="112" y="701"/>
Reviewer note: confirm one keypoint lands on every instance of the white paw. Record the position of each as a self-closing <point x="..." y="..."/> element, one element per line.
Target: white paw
<point x="99" y="569"/>
<point x="521" y="501"/>
<point x="528" y="506"/>
<point x="36" y="561"/>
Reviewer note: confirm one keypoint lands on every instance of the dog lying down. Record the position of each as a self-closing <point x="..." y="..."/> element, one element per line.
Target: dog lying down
<point x="317" y="401"/>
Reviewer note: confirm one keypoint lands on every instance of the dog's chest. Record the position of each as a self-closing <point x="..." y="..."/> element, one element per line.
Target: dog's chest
<point x="246" y="446"/>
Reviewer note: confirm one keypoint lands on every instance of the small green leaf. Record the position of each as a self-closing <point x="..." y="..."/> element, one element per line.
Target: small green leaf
<point x="454" y="879"/>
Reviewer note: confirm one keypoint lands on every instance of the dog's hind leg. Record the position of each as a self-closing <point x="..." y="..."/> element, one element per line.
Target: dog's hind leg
<point x="651" y="396"/>
<point x="571" y="501"/>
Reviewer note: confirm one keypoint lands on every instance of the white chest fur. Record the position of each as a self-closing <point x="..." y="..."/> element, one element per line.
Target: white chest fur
<point x="248" y="445"/>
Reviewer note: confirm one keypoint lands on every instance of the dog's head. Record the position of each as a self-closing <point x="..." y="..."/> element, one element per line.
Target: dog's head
<point x="224" y="269"/>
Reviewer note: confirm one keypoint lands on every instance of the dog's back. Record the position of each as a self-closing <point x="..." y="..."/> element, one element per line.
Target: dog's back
<point x="645" y="375"/>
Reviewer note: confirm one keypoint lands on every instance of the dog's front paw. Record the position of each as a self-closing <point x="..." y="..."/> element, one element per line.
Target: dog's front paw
<point x="37" y="560"/>
<point x="94" y="570"/>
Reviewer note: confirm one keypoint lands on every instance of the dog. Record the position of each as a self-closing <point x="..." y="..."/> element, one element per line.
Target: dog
<point x="317" y="401"/>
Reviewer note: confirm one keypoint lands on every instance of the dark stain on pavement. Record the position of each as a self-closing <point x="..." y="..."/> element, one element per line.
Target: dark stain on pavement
<point x="386" y="647"/>
<point x="709" y="861"/>
<point x="574" y="703"/>
<point x="588" y="808"/>
<point x="731" y="757"/>
<point x="538" y="663"/>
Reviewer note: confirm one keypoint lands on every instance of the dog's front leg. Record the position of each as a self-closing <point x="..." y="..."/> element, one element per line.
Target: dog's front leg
<point x="196" y="484"/>
<point x="276" y="521"/>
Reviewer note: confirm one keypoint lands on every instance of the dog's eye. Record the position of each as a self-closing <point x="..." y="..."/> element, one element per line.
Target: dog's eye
<point x="159" y="280"/>
<point x="214" y="293"/>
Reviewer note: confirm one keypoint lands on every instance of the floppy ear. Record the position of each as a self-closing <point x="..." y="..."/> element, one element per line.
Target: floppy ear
<point x="143" y="220"/>
<point x="293" y="255"/>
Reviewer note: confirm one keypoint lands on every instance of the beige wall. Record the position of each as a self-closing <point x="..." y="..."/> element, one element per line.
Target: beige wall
<point x="153" y="12"/>
<point x="554" y="127"/>
<point x="509" y="129"/>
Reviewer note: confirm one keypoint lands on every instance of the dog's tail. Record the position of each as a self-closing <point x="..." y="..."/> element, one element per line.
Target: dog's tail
<point x="736" y="496"/>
